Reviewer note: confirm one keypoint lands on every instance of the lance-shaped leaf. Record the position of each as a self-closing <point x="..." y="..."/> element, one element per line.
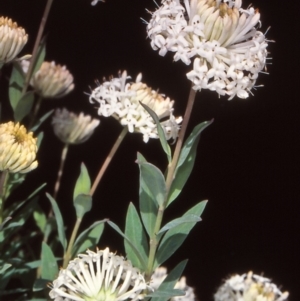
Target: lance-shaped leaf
<point x="82" y="204"/>
<point x="59" y="222"/>
<point x="24" y="106"/>
<point x="160" y="131"/>
<point x="49" y="269"/>
<point x="134" y="248"/>
<point x="83" y="183"/>
<point x="186" y="161"/>
<point x="41" y="120"/>
<point x="16" y="83"/>
<point x="148" y="197"/>
<point x="89" y="238"/>
<point x="174" y="237"/>
<point x="135" y="232"/>
<point x="166" y="289"/>
<point x="189" y="218"/>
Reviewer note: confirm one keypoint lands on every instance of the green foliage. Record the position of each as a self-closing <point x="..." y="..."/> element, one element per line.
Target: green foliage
<point x="40" y="218"/>
<point x="59" y="222"/>
<point x="41" y="120"/>
<point x="16" y="83"/>
<point x="160" y="131"/>
<point x="24" y="106"/>
<point x="83" y="183"/>
<point x="186" y="160"/>
<point x="132" y="245"/>
<point x="89" y="238"/>
<point x="166" y="289"/>
<point x="136" y="234"/>
<point x="49" y="269"/>
<point x="148" y="204"/>
<point x="176" y="235"/>
<point x="82" y="204"/>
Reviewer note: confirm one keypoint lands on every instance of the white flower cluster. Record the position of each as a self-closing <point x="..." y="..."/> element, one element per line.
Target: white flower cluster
<point x="249" y="287"/>
<point x="228" y="50"/>
<point x="99" y="275"/>
<point x="159" y="276"/>
<point x="122" y="101"/>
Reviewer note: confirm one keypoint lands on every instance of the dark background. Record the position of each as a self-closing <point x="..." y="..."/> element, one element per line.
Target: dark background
<point x="248" y="159"/>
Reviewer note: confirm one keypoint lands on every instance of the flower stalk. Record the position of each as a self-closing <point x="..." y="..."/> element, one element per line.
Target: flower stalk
<point x="108" y="160"/>
<point x="36" y="45"/>
<point x="170" y="177"/>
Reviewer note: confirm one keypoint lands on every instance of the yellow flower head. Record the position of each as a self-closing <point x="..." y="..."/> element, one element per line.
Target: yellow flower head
<point x="17" y="148"/>
<point x="12" y="39"/>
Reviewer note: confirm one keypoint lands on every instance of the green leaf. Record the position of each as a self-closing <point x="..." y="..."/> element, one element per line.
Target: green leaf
<point x="134" y="248"/>
<point x="40" y="218"/>
<point x="24" y="106"/>
<point x="174" y="237"/>
<point x="83" y="183"/>
<point x="160" y="131"/>
<point x="148" y="207"/>
<point x="167" y="293"/>
<point x="41" y="120"/>
<point x="186" y="161"/>
<point x="88" y="238"/>
<point x="59" y="222"/>
<point x="41" y="53"/>
<point x="82" y="204"/>
<point x="189" y="218"/>
<point x="4" y="267"/>
<point x="16" y="83"/>
<point x="49" y="269"/>
<point x="40" y="138"/>
<point x="170" y="281"/>
<point x="152" y="181"/>
<point x="39" y="285"/>
<point x="136" y="234"/>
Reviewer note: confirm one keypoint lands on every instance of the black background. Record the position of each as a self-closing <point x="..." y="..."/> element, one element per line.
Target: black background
<point x="248" y="159"/>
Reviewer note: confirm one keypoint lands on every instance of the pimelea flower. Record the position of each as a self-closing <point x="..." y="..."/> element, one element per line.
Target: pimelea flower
<point x="249" y="287"/>
<point x="122" y="101"/>
<point x="12" y="39"/>
<point x="220" y="36"/>
<point x="52" y="81"/>
<point x="17" y="148"/>
<point x="159" y="276"/>
<point x="71" y="128"/>
<point x="98" y="276"/>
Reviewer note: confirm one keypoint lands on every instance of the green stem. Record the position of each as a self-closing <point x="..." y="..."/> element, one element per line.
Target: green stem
<point x="108" y="159"/>
<point x="170" y="177"/>
<point x="68" y="253"/>
<point x="36" y="45"/>
<point x="3" y="181"/>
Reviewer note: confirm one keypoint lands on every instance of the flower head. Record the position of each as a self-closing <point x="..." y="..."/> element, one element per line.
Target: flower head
<point x="122" y="101"/>
<point x="71" y="128"/>
<point x="12" y="39"/>
<point x="249" y="287"/>
<point x="52" y="81"/>
<point x="159" y="276"/>
<point x="17" y="148"/>
<point x="98" y="276"/>
<point x="223" y="39"/>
